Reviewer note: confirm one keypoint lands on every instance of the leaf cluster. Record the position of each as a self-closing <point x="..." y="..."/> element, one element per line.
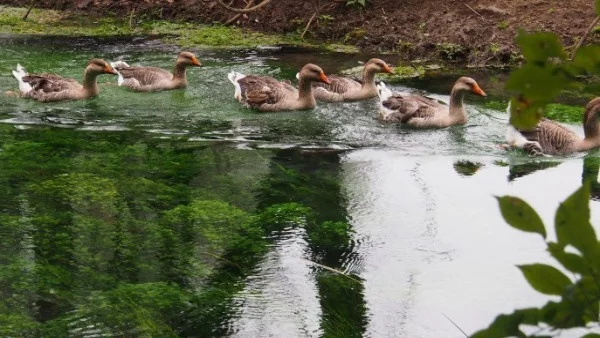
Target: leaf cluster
<point x="577" y="251"/>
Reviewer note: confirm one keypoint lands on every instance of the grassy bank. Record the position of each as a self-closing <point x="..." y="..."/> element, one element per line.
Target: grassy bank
<point x="186" y="34"/>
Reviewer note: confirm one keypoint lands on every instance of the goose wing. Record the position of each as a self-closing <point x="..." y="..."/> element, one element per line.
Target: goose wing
<point x="340" y="84"/>
<point x="410" y="106"/>
<point x="144" y="75"/>
<point x="50" y="83"/>
<point x="258" y="90"/>
<point x="552" y="137"/>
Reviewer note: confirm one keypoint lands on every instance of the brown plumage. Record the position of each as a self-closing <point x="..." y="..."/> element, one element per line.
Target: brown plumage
<point x="265" y="93"/>
<point x="348" y="89"/>
<point x="51" y="87"/>
<point x="551" y="138"/>
<point x="423" y="112"/>
<point x="146" y="79"/>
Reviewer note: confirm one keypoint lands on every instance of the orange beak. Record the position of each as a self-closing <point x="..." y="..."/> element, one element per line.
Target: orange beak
<point x="324" y="78"/>
<point x="109" y="70"/>
<point x="477" y="90"/>
<point x="195" y="62"/>
<point x="387" y="69"/>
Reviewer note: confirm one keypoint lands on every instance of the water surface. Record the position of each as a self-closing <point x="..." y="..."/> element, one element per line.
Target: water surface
<point x="122" y="214"/>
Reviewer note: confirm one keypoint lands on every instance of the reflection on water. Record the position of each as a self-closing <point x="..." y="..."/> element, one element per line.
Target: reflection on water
<point x="183" y="214"/>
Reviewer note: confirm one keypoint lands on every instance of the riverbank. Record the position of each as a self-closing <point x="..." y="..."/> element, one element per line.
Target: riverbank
<point x="476" y="32"/>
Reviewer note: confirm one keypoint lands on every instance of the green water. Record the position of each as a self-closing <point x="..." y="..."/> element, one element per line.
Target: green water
<point x="183" y="214"/>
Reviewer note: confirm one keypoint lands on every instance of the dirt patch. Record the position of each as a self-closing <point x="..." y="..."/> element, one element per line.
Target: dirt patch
<point x="477" y="31"/>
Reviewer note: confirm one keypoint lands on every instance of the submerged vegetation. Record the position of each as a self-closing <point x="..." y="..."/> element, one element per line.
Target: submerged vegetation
<point x="126" y="235"/>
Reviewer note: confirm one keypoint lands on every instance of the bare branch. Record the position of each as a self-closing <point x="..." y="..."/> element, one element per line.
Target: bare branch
<point x="308" y="25"/>
<point x="237" y="16"/>
<point x="584" y="36"/>
<point x="245" y="10"/>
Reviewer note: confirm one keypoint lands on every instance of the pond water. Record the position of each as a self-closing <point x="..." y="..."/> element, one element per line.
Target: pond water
<point x="182" y="213"/>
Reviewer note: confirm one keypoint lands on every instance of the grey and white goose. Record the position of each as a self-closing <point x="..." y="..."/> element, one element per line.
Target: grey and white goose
<point x="266" y="94"/>
<point x="347" y="89"/>
<point x="47" y="87"/>
<point x="147" y="79"/>
<point x="551" y="138"/>
<point x="423" y="112"/>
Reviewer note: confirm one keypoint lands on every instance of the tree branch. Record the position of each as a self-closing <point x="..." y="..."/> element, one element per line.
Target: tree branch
<point x="584" y="36"/>
<point x="237" y="16"/>
<point x="245" y="10"/>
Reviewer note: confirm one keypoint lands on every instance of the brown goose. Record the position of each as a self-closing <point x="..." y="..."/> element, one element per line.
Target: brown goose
<point x="349" y="89"/>
<point x="551" y="138"/>
<point x="265" y="93"/>
<point x="147" y="79"/>
<point x="51" y="87"/>
<point x="423" y="112"/>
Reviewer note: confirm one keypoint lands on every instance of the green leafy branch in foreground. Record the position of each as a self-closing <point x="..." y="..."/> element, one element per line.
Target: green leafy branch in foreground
<point x="576" y="249"/>
<point x="547" y="72"/>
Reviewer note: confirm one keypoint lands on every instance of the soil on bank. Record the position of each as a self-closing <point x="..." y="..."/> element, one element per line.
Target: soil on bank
<point x="475" y="32"/>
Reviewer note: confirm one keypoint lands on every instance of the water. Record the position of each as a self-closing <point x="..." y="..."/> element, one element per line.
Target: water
<point x="121" y="215"/>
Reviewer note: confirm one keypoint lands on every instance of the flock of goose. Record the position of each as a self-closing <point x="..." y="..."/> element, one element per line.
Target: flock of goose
<point x="267" y="94"/>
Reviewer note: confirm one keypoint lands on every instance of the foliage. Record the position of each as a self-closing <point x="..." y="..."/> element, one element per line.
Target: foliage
<point x="546" y="73"/>
<point x="579" y="297"/>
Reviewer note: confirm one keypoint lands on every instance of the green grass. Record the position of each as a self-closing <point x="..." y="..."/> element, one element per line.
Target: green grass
<point x="554" y="111"/>
<point x="565" y="113"/>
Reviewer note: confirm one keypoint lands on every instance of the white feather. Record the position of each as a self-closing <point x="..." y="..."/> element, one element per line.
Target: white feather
<point x="234" y="77"/>
<point x="298" y="76"/>
<point x="383" y="91"/>
<point x="19" y="73"/>
<point x="116" y="64"/>
<point x="119" y="64"/>
<point x="514" y="138"/>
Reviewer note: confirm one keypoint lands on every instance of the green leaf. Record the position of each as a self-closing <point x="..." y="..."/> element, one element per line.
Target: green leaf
<point x="588" y="58"/>
<point x="520" y="215"/>
<point x="591" y="335"/>
<point x="540" y="46"/>
<point x="545" y="278"/>
<point x="536" y="83"/>
<point x="597" y="7"/>
<point x="570" y="261"/>
<point x="572" y="223"/>
<point x="508" y="325"/>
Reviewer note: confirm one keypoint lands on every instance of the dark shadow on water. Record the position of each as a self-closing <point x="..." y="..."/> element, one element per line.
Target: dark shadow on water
<point x="522" y="169"/>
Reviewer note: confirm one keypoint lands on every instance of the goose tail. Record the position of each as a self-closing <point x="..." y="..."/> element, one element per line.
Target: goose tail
<point x="19" y="74"/>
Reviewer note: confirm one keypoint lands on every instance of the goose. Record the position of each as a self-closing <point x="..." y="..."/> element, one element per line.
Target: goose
<point x="267" y="94"/>
<point x="147" y="79"/>
<point x="348" y="89"/>
<point x="424" y="112"/>
<point x="552" y="138"/>
<point x="51" y="87"/>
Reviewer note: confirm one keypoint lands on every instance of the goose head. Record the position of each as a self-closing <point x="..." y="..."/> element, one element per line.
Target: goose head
<point x="312" y="72"/>
<point x="467" y="84"/>
<point x="188" y="59"/>
<point x="99" y="66"/>
<point x="378" y="66"/>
